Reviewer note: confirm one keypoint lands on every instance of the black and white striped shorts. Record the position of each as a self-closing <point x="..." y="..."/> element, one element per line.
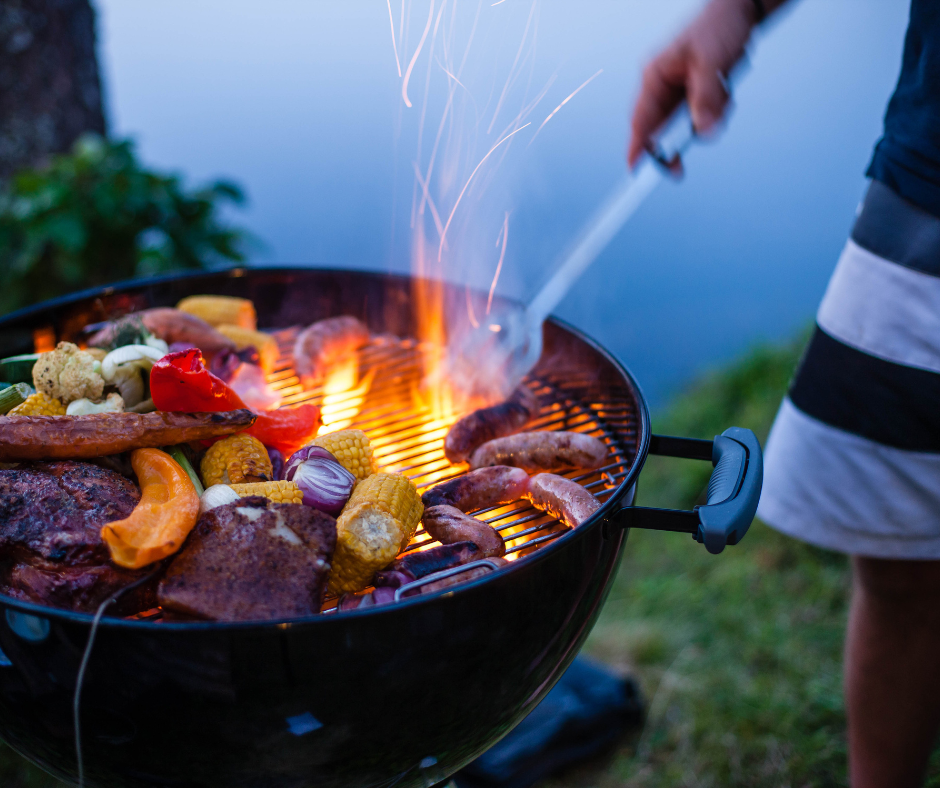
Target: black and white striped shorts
<point x="853" y="460"/>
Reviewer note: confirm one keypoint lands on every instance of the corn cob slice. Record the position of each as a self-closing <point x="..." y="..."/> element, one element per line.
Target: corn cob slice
<point x="217" y="310"/>
<point x="279" y="492"/>
<point x="265" y="344"/>
<point x="379" y="520"/>
<point x="236" y="459"/>
<point x="352" y="450"/>
<point x="39" y="404"/>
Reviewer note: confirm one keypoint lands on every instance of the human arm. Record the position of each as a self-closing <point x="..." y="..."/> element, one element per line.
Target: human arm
<point x="693" y="67"/>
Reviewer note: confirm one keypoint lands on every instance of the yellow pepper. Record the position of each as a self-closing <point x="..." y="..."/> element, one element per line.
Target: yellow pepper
<point x="161" y="521"/>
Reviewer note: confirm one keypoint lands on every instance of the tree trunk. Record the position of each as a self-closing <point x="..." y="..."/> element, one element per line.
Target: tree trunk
<point x="50" y="93"/>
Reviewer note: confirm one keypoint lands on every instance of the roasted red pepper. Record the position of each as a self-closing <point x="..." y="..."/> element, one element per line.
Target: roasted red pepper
<point x="181" y="382"/>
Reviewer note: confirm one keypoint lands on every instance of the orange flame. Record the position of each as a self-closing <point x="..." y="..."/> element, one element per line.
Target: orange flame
<point x="343" y="395"/>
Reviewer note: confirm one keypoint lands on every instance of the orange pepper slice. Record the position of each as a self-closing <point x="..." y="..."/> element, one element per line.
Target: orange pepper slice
<point x="161" y="521"/>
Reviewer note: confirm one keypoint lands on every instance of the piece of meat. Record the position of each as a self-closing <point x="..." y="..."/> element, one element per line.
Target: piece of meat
<point x="562" y="498"/>
<point x="326" y="343"/>
<point x="51" y="515"/>
<point x="542" y="451"/>
<point x="463" y="577"/>
<point x="448" y="525"/>
<point x="415" y="565"/>
<point x="485" y="424"/>
<point x="172" y="325"/>
<point x="480" y="489"/>
<point x="252" y="560"/>
<point x="80" y="437"/>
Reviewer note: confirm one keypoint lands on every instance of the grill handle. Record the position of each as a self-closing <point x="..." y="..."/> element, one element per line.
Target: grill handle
<point x="733" y="489"/>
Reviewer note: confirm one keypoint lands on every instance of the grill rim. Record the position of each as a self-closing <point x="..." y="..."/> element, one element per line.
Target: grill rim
<point x="609" y="507"/>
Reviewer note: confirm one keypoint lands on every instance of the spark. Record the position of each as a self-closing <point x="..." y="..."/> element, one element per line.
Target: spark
<point x="464" y="189"/>
<point x="504" y="233"/>
<point x="394" y="45"/>
<point x="427" y="198"/>
<point x="552" y="113"/>
<point x="473" y="318"/>
<point x="525" y="35"/>
<point x="414" y="58"/>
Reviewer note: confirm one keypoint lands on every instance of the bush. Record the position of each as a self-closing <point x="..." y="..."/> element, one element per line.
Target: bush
<point x="96" y="216"/>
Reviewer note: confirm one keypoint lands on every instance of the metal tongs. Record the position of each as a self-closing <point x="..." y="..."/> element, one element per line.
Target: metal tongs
<point x="492" y="360"/>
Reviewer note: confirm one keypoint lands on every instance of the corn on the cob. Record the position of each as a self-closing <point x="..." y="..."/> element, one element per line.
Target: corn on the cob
<point x="236" y="459"/>
<point x="378" y="521"/>
<point x="39" y="404"/>
<point x="352" y="450"/>
<point x="265" y="344"/>
<point x="279" y="492"/>
<point x="219" y="310"/>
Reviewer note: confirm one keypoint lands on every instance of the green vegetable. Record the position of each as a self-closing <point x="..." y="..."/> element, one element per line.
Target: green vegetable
<point x="18" y="369"/>
<point x="12" y="396"/>
<point x="177" y="454"/>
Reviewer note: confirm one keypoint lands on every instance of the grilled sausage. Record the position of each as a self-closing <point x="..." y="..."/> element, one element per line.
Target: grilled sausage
<point x="463" y="577"/>
<point x="486" y="424"/>
<point x="80" y="437"/>
<point x="324" y="343"/>
<point x="542" y="451"/>
<point x="426" y="562"/>
<point x="562" y="498"/>
<point x="480" y="489"/>
<point x="448" y="525"/>
<point x="172" y="325"/>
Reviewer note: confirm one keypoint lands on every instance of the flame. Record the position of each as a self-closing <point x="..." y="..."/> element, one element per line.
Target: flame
<point x="343" y="395"/>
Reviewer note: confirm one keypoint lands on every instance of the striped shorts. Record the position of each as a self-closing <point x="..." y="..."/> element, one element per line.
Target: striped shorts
<point x="853" y="460"/>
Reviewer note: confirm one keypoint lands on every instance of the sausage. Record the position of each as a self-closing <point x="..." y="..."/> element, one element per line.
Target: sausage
<point x="448" y="525"/>
<point x="562" y="498"/>
<point x="84" y="437"/>
<point x="418" y="564"/>
<point x="463" y="577"/>
<point x="486" y="424"/>
<point x="542" y="451"/>
<point x="325" y="343"/>
<point x="480" y="489"/>
<point x="172" y="325"/>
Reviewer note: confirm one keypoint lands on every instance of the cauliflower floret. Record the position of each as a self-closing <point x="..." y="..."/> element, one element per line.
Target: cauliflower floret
<point x="68" y="374"/>
<point x="85" y="407"/>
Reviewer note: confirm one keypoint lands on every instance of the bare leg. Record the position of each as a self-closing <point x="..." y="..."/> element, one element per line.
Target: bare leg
<point x="892" y="671"/>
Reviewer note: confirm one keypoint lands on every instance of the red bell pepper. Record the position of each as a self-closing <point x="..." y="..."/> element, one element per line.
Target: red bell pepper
<point x="180" y="382"/>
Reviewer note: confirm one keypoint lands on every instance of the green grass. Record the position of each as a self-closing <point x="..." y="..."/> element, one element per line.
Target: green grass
<point x="739" y="655"/>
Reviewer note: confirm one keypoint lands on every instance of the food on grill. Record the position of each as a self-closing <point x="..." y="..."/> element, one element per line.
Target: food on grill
<point x="181" y="381"/>
<point x="480" y="489"/>
<point x="39" y="404"/>
<point x="170" y="325"/>
<point x="113" y="403"/>
<point x="51" y="514"/>
<point x="542" y="451"/>
<point x="277" y="462"/>
<point x="13" y="396"/>
<point x="252" y="560"/>
<point x="18" y="369"/>
<point x="248" y="381"/>
<point x="326" y="485"/>
<point x="278" y="492"/>
<point x="463" y="577"/>
<point x="217" y="495"/>
<point x="67" y="374"/>
<point x="221" y="310"/>
<point x="287" y="429"/>
<point x="127" y="369"/>
<point x="562" y="498"/>
<point x="236" y="459"/>
<point x="162" y="519"/>
<point x="377" y="523"/>
<point x="326" y="343"/>
<point x="485" y="424"/>
<point x="352" y="450"/>
<point x="265" y="344"/>
<point x="412" y="566"/>
<point x="80" y="437"/>
<point x="449" y="525"/>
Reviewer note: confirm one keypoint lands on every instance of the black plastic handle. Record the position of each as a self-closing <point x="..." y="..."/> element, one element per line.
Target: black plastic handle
<point x="733" y="489"/>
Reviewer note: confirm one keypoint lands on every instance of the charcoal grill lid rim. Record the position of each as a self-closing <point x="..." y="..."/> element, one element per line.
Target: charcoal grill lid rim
<point x="608" y="508"/>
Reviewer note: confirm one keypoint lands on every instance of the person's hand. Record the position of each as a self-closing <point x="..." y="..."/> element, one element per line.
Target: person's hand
<point x="693" y="67"/>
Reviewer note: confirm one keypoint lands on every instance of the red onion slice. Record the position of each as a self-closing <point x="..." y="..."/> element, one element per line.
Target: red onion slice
<point x="326" y="485"/>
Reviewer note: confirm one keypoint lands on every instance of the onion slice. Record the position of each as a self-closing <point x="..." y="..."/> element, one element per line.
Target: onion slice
<point x="326" y="485"/>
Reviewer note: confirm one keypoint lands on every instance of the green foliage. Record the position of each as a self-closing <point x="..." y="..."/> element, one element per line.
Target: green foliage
<point x="96" y="216"/>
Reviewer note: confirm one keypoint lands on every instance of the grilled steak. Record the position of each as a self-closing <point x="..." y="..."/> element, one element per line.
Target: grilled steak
<point x="51" y="514"/>
<point x="252" y="560"/>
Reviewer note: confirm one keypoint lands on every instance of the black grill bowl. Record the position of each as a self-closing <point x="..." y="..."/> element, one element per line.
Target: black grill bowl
<point x="403" y="695"/>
